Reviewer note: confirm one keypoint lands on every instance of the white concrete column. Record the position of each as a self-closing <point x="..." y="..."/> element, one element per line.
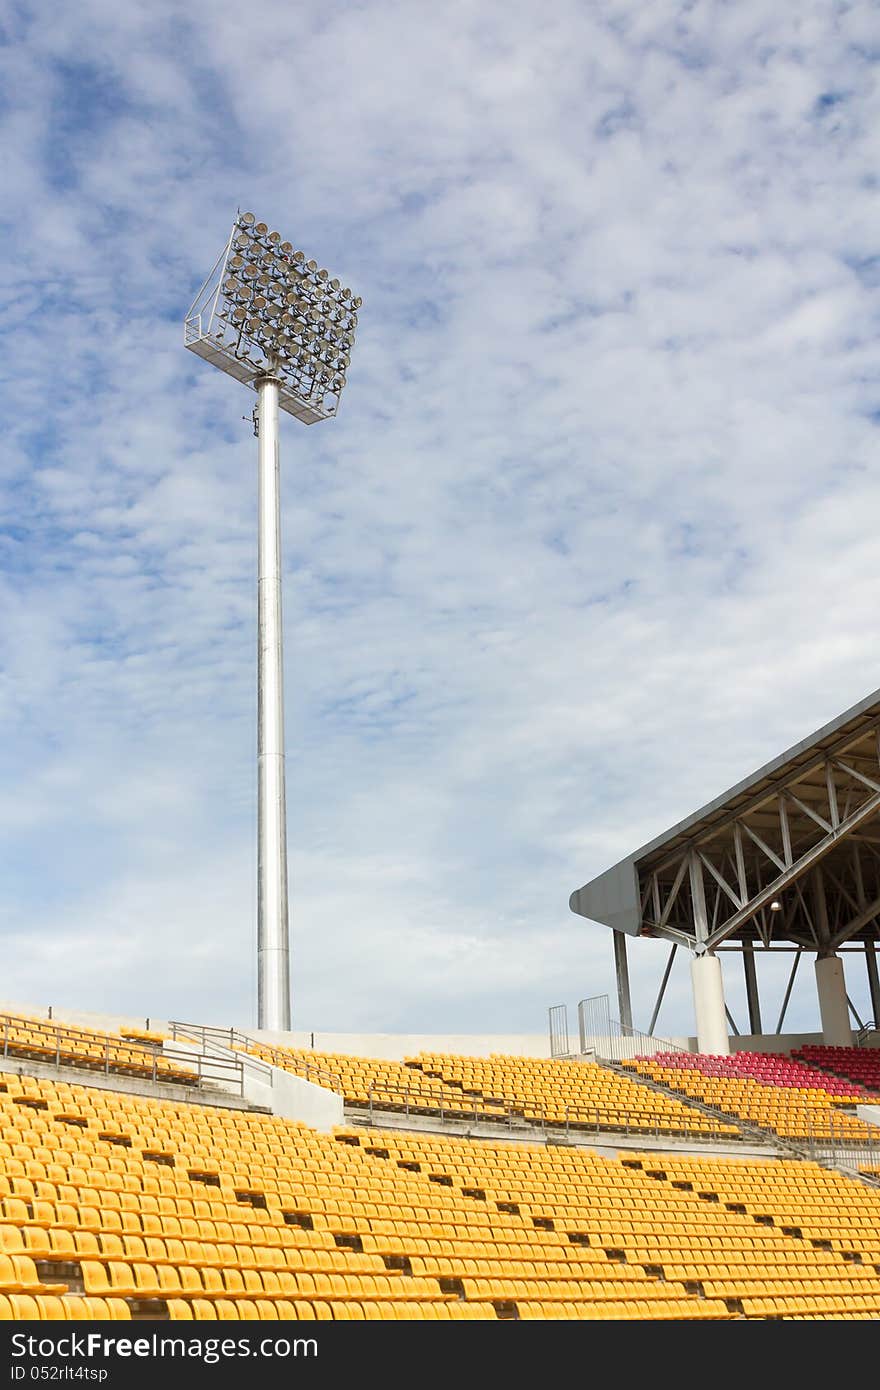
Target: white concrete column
<point x="833" y="1008"/>
<point x="709" y="1004"/>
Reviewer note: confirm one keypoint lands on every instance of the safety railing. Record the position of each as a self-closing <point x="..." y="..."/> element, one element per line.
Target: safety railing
<point x="69" y="1033"/>
<point x="868" y="1030"/>
<point x="192" y="328"/>
<point x="403" y="1099"/>
<point x="590" y="1120"/>
<point x="830" y="1141"/>
<point x="557" y="1016"/>
<point x="383" y="1100"/>
<point x="57" y="1045"/>
<point x="601" y="1036"/>
<point x="267" y="1056"/>
<point x="622" y="1043"/>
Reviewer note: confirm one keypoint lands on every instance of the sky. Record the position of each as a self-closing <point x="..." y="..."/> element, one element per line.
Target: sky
<point x="593" y="536"/>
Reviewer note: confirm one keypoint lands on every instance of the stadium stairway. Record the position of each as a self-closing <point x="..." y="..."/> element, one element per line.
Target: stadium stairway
<point x="822" y="1130"/>
<point x="756" y="1133"/>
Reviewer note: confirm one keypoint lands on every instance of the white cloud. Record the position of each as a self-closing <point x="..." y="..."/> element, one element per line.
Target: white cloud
<point x="593" y="536"/>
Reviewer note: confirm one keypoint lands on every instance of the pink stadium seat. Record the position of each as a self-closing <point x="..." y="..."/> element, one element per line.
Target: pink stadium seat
<point x="859" y="1066"/>
<point x="771" y="1069"/>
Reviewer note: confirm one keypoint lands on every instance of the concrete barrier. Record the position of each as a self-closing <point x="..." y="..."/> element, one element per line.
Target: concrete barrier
<point x="282" y="1092"/>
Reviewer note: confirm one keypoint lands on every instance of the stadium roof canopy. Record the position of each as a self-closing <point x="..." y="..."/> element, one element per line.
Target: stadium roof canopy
<point x="792" y="853"/>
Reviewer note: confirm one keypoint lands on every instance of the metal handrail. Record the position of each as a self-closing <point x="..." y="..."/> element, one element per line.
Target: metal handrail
<point x="192" y="1068"/>
<point x="838" y="1149"/>
<point x="450" y="1107"/>
<point x="83" y="1034"/>
<point x="639" y="1123"/>
<point x="647" y="1041"/>
<point x="232" y="1039"/>
<point x="221" y="1047"/>
<point x="865" y="1032"/>
<point x="444" y="1106"/>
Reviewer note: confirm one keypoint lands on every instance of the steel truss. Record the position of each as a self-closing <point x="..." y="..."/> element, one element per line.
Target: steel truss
<point x="800" y="861"/>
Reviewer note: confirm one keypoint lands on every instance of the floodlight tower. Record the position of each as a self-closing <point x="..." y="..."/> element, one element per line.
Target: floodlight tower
<point x="276" y="322"/>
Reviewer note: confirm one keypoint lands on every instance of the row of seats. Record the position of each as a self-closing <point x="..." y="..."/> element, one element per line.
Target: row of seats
<point x="18" y="1308"/>
<point x="184" y="1211"/>
<point x="775" y="1069"/>
<point x="859" y="1066"/>
<point x="579" y="1095"/>
<point x="365" y="1081"/>
<point x="504" y="1088"/>
<point x="134" y="1054"/>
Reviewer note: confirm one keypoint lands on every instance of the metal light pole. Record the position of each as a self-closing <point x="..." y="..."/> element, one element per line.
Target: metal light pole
<point x="273" y="954"/>
<point x="273" y="320"/>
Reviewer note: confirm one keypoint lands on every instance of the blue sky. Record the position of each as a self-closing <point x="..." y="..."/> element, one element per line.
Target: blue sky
<point x="593" y="536"/>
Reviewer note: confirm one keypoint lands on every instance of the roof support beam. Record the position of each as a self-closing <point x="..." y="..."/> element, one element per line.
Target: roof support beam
<point x="821" y="903"/>
<point x="663" y="984"/>
<point x="785" y="832"/>
<point x="854" y="1012"/>
<point x="670" y="901"/>
<point x="859" y="776"/>
<point x="795" y="963"/>
<point x="873" y="980"/>
<point x="752" y="996"/>
<point x="814" y="815"/>
<point x="741" y="879"/>
<point x="698" y="898"/>
<point x="831" y="788"/>
<point x="771" y="854"/>
<point x="872" y="910"/>
<point x="800" y="866"/>
<point x="721" y="880"/>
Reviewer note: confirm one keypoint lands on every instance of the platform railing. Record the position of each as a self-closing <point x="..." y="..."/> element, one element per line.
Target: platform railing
<point x="829" y="1141"/>
<point x="589" y="1120"/>
<point x="384" y="1098"/>
<point x="236" y="1041"/>
<point x="623" y="1043"/>
<point x="600" y="1035"/>
<point x="59" y="1045"/>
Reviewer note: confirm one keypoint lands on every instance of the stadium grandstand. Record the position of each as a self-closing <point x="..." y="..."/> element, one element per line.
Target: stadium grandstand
<point x="158" y="1170"/>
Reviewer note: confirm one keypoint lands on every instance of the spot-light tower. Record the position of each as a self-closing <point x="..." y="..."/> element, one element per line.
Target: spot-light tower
<point x="272" y="319"/>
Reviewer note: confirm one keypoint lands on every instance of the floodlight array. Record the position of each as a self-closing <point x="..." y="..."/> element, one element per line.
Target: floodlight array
<point x="281" y="312"/>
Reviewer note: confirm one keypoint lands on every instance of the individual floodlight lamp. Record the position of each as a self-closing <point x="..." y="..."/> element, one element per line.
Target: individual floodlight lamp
<point x="278" y="323"/>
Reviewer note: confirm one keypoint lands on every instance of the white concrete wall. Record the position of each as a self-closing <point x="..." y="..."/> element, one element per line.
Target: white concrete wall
<point x="869" y="1113"/>
<point x="769" y="1042"/>
<point x="751" y="1042"/>
<point x="395" y="1046"/>
<point x="280" y="1091"/>
<point x="296" y="1099"/>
